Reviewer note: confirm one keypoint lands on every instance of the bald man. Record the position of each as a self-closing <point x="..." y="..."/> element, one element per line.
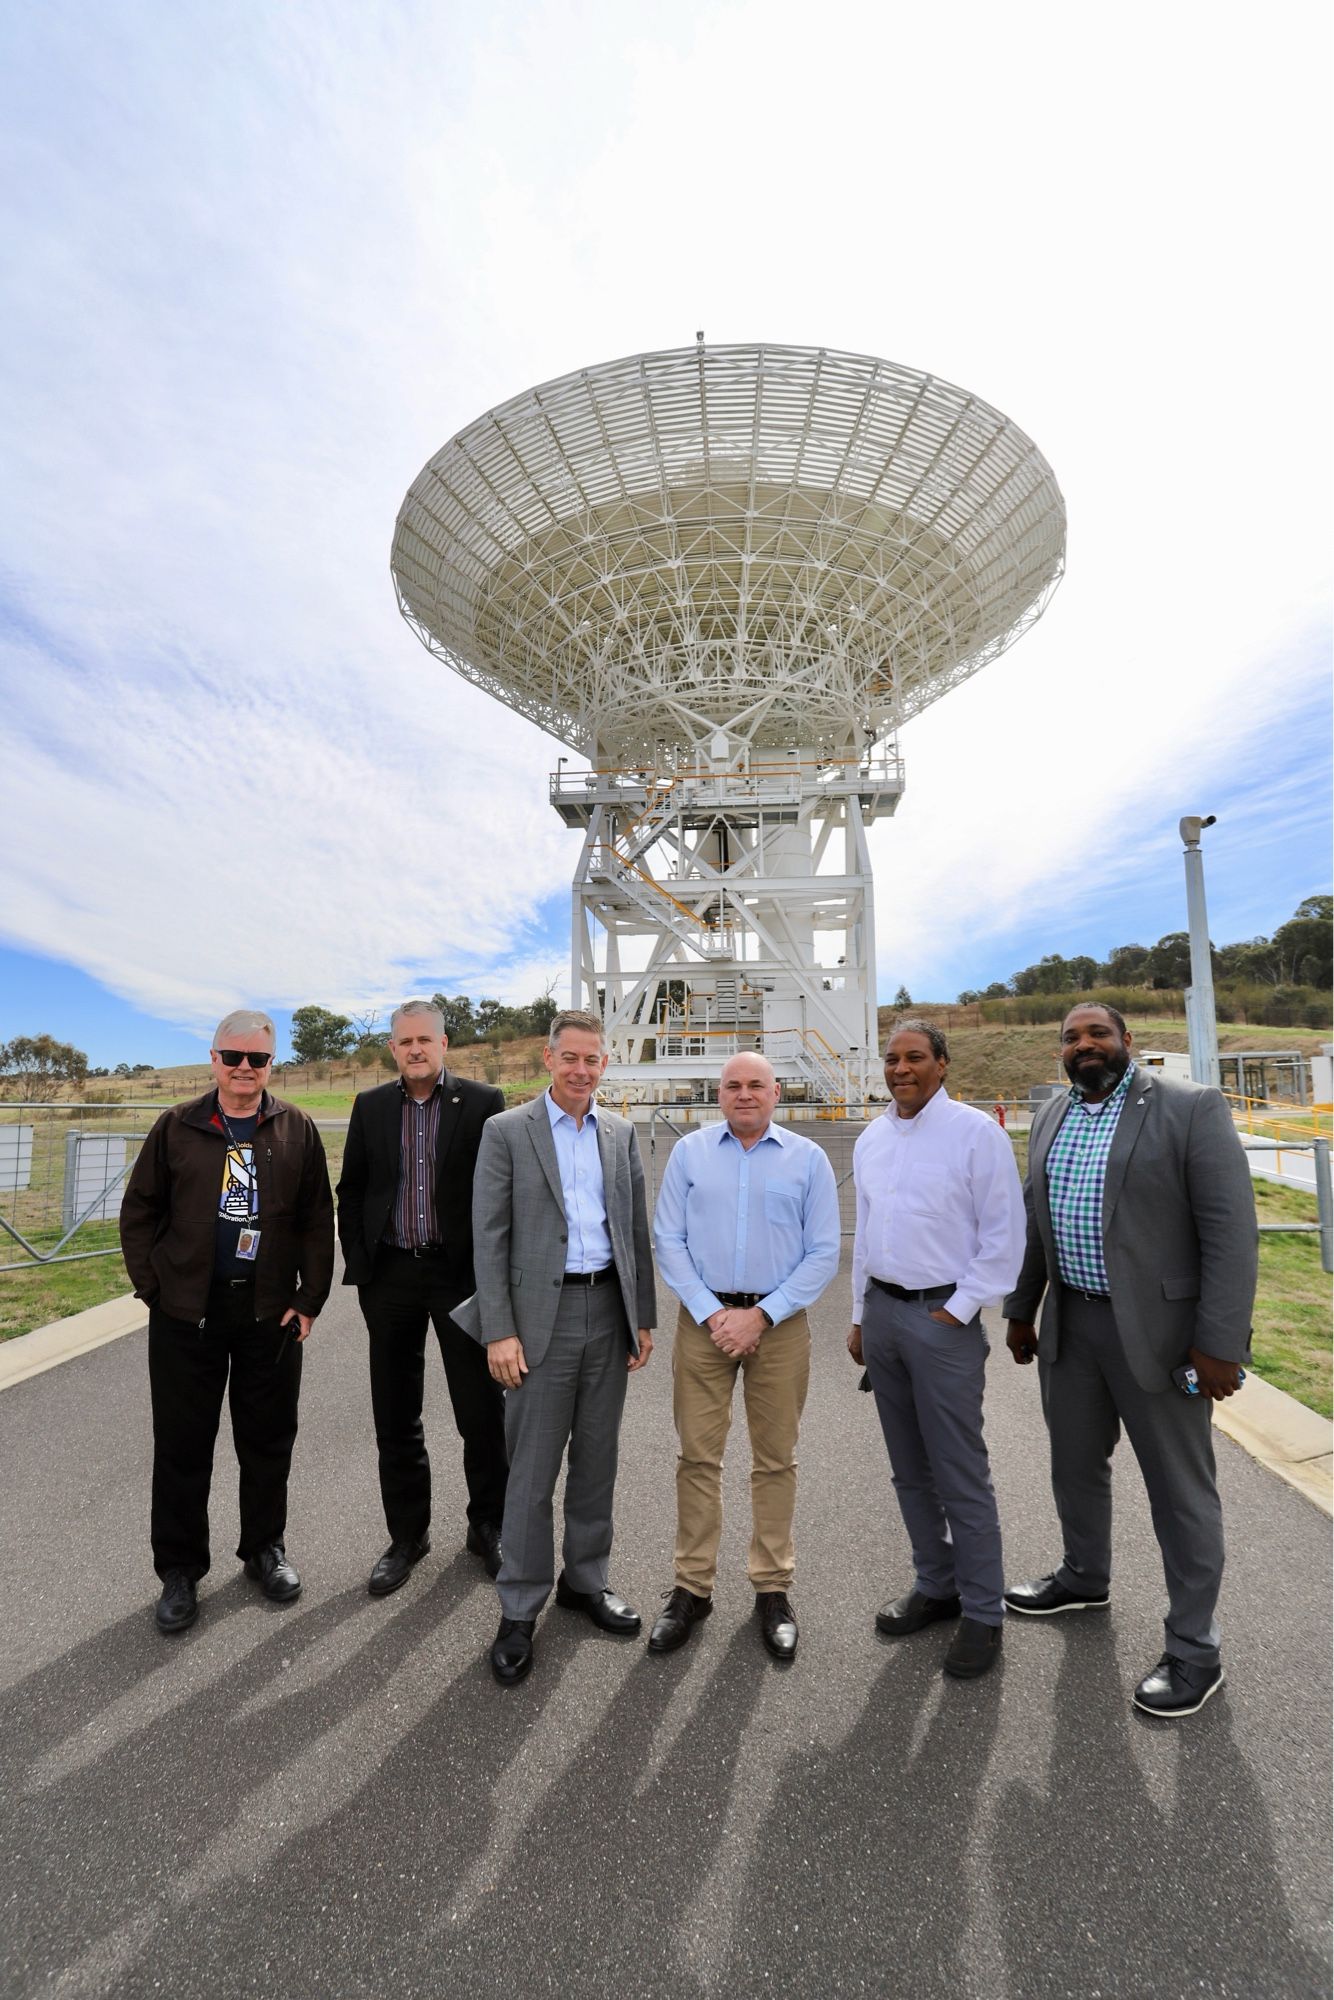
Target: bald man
<point x="747" y="1236"/>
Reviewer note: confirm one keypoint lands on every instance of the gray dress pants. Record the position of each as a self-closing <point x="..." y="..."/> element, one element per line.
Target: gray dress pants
<point x="928" y="1381"/>
<point x="1087" y="1395"/>
<point x="574" y="1396"/>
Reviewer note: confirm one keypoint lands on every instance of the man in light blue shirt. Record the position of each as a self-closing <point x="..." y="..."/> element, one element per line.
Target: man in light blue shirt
<point x="747" y="1235"/>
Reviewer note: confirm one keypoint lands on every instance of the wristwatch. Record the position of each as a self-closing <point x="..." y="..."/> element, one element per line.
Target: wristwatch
<point x="764" y="1316"/>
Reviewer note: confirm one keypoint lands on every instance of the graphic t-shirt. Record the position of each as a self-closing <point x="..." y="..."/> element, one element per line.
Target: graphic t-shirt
<point x="238" y="1197"/>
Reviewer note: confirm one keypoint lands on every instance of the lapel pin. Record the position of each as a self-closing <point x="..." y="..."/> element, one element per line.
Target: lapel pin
<point x="454" y="1100"/>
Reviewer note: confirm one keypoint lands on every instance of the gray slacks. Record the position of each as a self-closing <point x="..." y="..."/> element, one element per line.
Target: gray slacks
<point x="1088" y="1393"/>
<point x="928" y="1382"/>
<point x="574" y="1396"/>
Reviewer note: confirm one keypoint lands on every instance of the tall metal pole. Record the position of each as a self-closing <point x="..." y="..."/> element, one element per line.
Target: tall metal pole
<point x="1201" y="1024"/>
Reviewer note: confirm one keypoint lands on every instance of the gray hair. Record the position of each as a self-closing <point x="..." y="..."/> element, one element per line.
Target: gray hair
<point x="244" y="1021"/>
<point x="939" y="1046"/>
<point x="575" y="1017"/>
<point x="416" y="1007"/>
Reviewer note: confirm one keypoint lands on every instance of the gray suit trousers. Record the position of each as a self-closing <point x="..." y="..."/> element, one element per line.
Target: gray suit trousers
<point x="575" y="1396"/>
<point x="1087" y="1395"/>
<point x="928" y="1382"/>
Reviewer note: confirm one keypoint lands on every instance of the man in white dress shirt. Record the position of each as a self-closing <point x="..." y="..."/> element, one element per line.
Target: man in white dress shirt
<point x="940" y="1233"/>
<point x="747" y="1235"/>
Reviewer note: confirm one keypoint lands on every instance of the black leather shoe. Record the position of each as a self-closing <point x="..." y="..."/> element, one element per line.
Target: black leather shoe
<point x="276" y="1577"/>
<point x="778" y="1623"/>
<point x="1046" y="1596"/>
<point x="396" y="1564"/>
<point x="911" y="1613"/>
<point x="974" y="1649"/>
<point x="484" y="1540"/>
<point x="1177" y="1687"/>
<point x="178" y="1606"/>
<point x="608" y="1612"/>
<point x="677" y="1619"/>
<point x="512" y="1650"/>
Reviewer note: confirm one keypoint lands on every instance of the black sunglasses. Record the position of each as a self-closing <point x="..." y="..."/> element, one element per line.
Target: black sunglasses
<point x="230" y="1058"/>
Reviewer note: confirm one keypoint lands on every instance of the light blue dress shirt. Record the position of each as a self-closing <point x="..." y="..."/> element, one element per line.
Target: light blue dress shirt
<point x="580" y="1163"/>
<point x="731" y="1220"/>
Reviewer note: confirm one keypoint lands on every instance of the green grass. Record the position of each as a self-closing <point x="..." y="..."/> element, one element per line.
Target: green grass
<point x="1292" y="1306"/>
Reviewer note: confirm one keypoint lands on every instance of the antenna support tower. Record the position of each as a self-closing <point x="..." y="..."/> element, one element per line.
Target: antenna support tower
<point x="725" y="576"/>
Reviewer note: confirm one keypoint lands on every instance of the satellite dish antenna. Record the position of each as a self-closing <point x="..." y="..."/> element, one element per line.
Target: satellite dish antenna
<point x="781" y="553"/>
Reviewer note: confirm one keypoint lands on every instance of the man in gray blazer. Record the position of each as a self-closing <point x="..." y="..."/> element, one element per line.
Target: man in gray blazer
<point x="564" y="1305"/>
<point x="1141" y="1231"/>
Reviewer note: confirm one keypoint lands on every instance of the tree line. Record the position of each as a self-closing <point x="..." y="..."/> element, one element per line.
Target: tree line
<point x="1299" y="954"/>
<point x="322" y="1036"/>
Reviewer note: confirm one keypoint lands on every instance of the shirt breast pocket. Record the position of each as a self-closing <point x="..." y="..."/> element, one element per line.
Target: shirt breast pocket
<point x="782" y="1210"/>
<point x="925" y="1190"/>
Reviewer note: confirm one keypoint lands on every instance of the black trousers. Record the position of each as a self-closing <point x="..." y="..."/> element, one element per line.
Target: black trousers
<point x="406" y="1295"/>
<point x="188" y="1368"/>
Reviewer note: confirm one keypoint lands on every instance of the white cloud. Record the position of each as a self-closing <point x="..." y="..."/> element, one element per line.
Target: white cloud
<point x="252" y="295"/>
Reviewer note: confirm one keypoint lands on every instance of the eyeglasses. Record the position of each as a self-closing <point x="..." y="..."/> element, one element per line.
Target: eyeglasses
<point x="257" y="1058"/>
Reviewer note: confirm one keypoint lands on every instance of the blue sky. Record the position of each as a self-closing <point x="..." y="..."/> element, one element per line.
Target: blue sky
<point x="266" y="260"/>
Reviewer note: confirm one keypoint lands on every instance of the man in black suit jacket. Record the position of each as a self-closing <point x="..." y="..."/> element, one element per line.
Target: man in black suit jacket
<point x="405" y="1224"/>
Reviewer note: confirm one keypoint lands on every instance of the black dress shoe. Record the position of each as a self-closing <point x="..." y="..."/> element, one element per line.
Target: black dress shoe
<point x="911" y="1613"/>
<point x="677" y="1619"/>
<point x="608" y="1612"/>
<point x="276" y="1577"/>
<point x="512" y="1650"/>
<point x="778" y="1623"/>
<point x="1047" y="1596"/>
<point x="483" y="1540"/>
<point x="396" y="1564"/>
<point x="178" y="1606"/>
<point x="1177" y="1687"/>
<point x="974" y="1649"/>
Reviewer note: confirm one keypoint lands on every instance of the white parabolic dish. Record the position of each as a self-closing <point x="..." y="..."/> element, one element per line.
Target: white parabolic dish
<point x="794" y="545"/>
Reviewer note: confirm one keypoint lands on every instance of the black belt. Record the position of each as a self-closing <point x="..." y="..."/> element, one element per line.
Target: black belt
<point x="233" y="1284"/>
<point x="913" y="1298"/>
<point x="418" y="1249"/>
<point x="1096" y="1298"/>
<point x="746" y="1301"/>
<point x="590" y="1277"/>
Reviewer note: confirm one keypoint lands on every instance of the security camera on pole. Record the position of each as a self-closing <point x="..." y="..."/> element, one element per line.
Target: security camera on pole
<point x="1201" y="1026"/>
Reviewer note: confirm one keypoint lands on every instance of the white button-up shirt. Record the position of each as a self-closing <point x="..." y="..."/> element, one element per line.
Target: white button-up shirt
<point x="938" y="1203"/>
<point x="580" y="1163"/>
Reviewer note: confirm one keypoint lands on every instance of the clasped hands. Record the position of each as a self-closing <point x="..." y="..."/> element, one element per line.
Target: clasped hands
<point x="736" y="1330"/>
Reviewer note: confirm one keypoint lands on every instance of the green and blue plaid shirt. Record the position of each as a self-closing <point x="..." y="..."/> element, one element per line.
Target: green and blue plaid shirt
<point x="1076" y="1170"/>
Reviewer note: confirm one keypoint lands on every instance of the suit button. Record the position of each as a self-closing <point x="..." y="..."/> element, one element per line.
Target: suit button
<point x="564" y="1238"/>
<point x="555" y="1281"/>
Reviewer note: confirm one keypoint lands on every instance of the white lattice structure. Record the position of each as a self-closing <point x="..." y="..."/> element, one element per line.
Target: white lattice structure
<point x="725" y="576"/>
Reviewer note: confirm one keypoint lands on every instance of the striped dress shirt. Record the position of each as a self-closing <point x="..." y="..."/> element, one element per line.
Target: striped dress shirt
<point x="412" y="1220"/>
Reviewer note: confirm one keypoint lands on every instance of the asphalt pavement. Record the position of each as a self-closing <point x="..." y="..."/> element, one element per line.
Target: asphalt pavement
<point x="335" y="1799"/>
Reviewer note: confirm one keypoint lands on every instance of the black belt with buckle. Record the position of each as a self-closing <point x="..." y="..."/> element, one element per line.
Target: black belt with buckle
<point x="590" y="1277"/>
<point x="746" y="1301"/>
<point x="1094" y="1298"/>
<point x="928" y="1292"/>
<point x="233" y="1284"/>
<point x="418" y="1249"/>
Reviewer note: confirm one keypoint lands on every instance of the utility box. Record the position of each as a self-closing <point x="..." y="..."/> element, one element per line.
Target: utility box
<point x="15" y="1158"/>
<point x="94" y="1177"/>
<point x="1171" y="1062"/>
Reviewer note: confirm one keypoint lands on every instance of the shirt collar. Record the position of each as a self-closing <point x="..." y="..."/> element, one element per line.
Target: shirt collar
<point x="1077" y="1096"/>
<point x="439" y="1084"/>
<point x="555" y="1114"/>
<point x="771" y="1131"/>
<point x="928" y="1111"/>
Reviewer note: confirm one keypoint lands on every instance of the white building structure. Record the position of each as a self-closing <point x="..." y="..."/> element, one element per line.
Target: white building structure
<point x="724" y="576"/>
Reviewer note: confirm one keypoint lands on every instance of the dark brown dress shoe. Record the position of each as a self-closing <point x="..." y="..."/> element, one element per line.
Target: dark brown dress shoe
<point x="396" y="1565"/>
<point x="778" y="1623"/>
<point x="484" y="1540"/>
<point x="276" y="1577"/>
<point x="974" y="1649"/>
<point x="608" y="1612"/>
<point x="178" y="1606"/>
<point x="512" y="1650"/>
<point x="677" y="1619"/>
<point x="911" y="1613"/>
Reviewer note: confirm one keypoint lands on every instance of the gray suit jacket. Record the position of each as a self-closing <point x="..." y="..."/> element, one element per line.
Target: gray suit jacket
<point x="520" y="1233"/>
<point x="1178" y="1230"/>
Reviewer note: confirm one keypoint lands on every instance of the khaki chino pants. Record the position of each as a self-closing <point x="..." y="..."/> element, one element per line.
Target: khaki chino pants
<point x="774" y="1383"/>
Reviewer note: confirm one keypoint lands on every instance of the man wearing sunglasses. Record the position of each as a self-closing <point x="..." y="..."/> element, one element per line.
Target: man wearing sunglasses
<point x="227" y="1233"/>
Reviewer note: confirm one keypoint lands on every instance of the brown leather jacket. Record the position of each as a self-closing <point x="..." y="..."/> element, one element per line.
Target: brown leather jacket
<point x="168" y="1218"/>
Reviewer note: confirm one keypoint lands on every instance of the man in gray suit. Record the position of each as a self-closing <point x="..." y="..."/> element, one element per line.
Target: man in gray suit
<point x="1141" y="1231"/>
<point x="564" y="1305"/>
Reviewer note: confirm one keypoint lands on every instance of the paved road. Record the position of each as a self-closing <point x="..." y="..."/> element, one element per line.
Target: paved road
<point x="334" y="1799"/>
